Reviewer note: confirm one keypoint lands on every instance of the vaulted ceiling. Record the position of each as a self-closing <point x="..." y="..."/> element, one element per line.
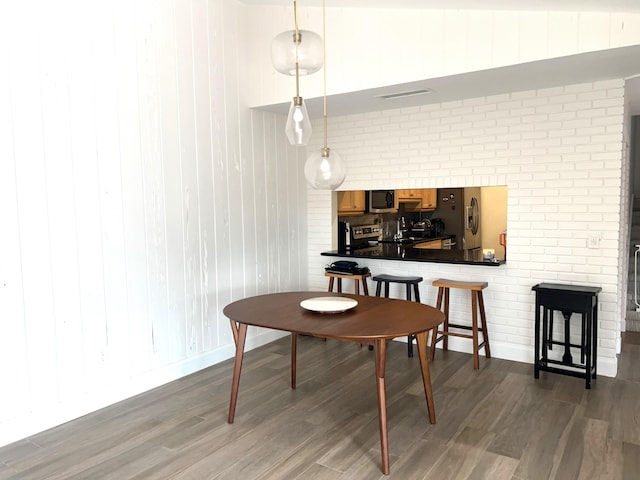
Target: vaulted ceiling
<point x="621" y="62"/>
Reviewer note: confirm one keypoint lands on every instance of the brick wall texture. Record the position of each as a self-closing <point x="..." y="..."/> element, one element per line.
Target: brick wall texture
<point x="561" y="153"/>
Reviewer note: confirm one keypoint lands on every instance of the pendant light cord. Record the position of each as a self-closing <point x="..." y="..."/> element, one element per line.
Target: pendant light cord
<point x="324" y="59"/>
<point x="296" y="40"/>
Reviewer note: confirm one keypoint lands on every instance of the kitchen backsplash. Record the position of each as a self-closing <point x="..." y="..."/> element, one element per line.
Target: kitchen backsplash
<point x="387" y="220"/>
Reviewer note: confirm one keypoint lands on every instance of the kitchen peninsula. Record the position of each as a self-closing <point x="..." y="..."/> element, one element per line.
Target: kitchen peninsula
<point x="409" y="253"/>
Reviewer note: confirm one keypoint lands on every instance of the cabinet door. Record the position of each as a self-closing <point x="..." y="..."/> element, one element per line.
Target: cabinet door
<point x="411" y="198"/>
<point x="433" y="245"/>
<point x="429" y="198"/>
<point x="351" y="202"/>
<point x="408" y="194"/>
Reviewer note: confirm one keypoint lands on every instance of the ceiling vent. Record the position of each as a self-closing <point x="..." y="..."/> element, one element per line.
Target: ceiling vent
<point x="409" y="93"/>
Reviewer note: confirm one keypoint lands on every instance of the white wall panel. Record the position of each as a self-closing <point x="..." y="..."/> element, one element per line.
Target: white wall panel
<point x="479" y="40"/>
<point x="259" y="122"/>
<point x="118" y="144"/>
<point x="563" y="33"/>
<point x="140" y="189"/>
<point x="33" y="224"/>
<point x="169" y="58"/>
<point x="206" y="220"/>
<point x="189" y="163"/>
<point x="84" y="100"/>
<point x="219" y="152"/>
<point x="235" y="161"/>
<point x="592" y="28"/>
<point x="61" y="212"/>
<point x="624" y="28"/>
<point x="455" y="41"/>
<point x="533" y="31"/>
<point x="142" y="196"/>
<point x="431" y="33"/>
<point x="272" y="228"/>
<point x="13" y="341"/>
<point x="506" y="39"/>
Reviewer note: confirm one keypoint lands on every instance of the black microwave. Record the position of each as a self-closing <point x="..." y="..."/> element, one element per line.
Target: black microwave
<point x="381" y="201"/>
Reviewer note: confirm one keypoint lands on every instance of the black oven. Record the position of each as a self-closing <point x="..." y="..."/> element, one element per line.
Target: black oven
<point x="381" y="201"/>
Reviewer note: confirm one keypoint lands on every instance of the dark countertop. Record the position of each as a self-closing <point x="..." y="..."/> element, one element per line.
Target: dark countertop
<point x="391" y="251"/>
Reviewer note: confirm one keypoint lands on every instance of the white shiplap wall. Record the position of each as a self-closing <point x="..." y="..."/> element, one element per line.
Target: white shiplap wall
<point x="560" y="152"/>
<point x="138" y="196"/>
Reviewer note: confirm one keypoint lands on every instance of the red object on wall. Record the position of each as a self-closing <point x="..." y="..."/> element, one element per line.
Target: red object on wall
<point x="503" y="242"/>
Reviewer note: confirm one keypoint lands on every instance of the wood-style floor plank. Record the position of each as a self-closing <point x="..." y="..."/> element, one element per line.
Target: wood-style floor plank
<point x="630" y="461"/>
<point x="494" y="423"/>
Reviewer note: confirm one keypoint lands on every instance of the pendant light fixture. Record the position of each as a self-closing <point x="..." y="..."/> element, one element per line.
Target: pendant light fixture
<point x="324" y="170"/>
<point x="288" y="53"/>
<point x="304" y="45"/>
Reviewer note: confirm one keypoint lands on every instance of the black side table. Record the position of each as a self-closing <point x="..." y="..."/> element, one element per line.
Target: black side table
<point x="567" y="299"/>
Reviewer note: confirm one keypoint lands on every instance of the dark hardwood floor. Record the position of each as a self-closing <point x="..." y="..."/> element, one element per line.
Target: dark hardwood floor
<point x="495" y="423"/>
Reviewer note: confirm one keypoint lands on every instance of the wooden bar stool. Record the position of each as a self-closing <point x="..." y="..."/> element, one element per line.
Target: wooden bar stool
<point x="357" y="278"/>
<point x="477" y="305"/>
<point x="409" y="282"/>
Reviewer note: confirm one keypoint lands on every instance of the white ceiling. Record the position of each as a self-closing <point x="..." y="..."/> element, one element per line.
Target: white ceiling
<point x="589" y="67"/>
<point x="550" y="5"/>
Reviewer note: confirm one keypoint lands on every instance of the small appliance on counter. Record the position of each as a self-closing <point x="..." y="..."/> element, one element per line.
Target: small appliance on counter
<point x="354" y="237"/>
<point x="437" y="227"/>
<point x="344" y="237"/>
<point x="428" y="228"/>
<point x="422" y="226"/>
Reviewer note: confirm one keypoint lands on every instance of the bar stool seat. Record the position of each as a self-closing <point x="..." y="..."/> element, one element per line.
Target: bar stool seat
<point x="477" y="305"/>
<point x="409" y="282"/>
<point x="357" y="278"/>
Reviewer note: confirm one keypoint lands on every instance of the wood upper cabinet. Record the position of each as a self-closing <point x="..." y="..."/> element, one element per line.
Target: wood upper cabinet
<point x="409" y="194"/>
<point x="418" y="199"/>
<point x="429" y="198"/>
<point x="351" y="202"/>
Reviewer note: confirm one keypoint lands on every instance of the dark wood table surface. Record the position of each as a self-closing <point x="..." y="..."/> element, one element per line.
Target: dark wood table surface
<point x="374" y="321"/>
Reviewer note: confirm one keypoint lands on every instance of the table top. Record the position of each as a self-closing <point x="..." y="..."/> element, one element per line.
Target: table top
<point x="373" y="317"/>
<point x="582" y="289"/>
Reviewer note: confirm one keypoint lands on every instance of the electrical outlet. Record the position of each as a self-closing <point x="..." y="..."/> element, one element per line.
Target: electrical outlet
<point x="594" y="239"/>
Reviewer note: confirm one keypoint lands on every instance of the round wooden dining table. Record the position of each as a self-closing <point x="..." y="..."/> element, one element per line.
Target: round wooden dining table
<point x="373" y="321"/>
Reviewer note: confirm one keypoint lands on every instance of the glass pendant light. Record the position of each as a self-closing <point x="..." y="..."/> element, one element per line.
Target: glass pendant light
<point x="283" y="52"/>
<point x="298" y="126"/>
<point x="325" y="170"/>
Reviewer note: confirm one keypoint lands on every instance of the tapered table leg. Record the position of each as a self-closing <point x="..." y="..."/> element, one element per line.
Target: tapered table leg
<point x="239" y="335"/>
<point x="380" y="347"/>
<point x="421" y="340"/>
<point x="294" y="349"/>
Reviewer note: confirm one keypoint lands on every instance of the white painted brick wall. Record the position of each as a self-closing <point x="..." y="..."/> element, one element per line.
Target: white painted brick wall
<point x="559" y="151"/>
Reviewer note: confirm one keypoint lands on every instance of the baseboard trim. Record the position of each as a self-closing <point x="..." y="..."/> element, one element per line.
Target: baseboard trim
<point x="36" y="421"/>
<point x="519" y="353"/>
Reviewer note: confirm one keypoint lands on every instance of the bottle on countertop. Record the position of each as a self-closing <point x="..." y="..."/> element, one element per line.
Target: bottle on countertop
<point x="403" y="226"/>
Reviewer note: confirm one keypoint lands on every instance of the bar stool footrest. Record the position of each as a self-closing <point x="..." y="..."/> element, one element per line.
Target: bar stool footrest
<point x="479" y="320"/>
<point x="409" y="282"/>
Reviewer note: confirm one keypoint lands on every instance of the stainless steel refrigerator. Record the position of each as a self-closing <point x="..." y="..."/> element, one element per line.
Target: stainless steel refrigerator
<point x="459" y="209"/>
